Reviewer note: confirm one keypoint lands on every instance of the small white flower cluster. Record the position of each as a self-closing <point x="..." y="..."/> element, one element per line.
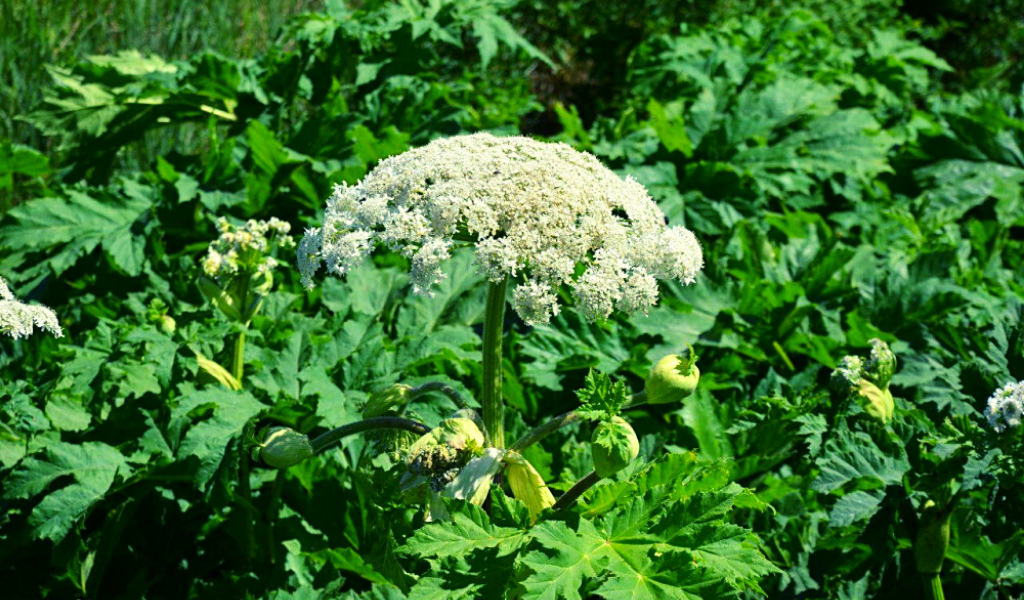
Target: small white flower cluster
<point x="1006" y="407"/>
<point x="849" y="371"/>
<point x="247" y="248"/>
<point x="19" y="320"/>
<point x="531" y="208"/>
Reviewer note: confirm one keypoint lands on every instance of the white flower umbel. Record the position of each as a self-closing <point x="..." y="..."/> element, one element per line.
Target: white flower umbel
<point x="533" y="210"/>
<point x="245" y="249"/>
<point x="19" y="320"/>
<point x="538" y="215"/>
<point x="1006" y="407"/>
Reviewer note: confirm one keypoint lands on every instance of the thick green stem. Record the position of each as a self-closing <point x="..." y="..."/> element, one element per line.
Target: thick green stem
<point x="249" y="511"/>
<point x="932" y="586"/>
<point x="270" y="515"/>
<point x="238" y="357"/>
<point x="491" y="398"/>
<point x="334" y="436"/>
<point x="576" y="491"/>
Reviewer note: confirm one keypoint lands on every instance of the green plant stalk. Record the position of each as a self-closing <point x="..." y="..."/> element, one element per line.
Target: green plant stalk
<point x="437" y="386"/>
<point x="238" y="356"/>
<point x="270" y="515"/>
<point x="576" y="491"/>
<point x="326" y="440"/>
<point x="491" y="397"/>
<point x="249" y="511"/>
<point x="932" y="586"/>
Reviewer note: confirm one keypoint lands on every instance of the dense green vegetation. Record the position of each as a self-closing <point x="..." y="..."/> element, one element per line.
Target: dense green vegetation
<point x="852" y="175"/>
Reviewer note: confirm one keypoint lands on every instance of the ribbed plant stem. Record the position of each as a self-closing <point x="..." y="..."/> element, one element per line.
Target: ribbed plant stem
<point x="491" y="397"/>
<point x="932" y="586"/>
<point x="334" y="436"/>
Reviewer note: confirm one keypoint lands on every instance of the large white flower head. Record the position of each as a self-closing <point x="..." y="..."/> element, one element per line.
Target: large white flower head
<point x="19" y="320"/>
<point x="1006" y="407"/>
<point x="535" y="212"/>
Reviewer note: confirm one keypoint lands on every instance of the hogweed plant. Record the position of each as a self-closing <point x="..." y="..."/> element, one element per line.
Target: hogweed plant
<point x="549" y="226"/>
<point x="237" y="273"/>
<point x="940" y="483"/>
<point x="539" y="217"/>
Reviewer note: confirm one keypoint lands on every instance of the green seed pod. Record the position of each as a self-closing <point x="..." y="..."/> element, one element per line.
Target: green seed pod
<point x="674" y="377"/>
<point x="614" y="445"/>
<point x="932" y="539"/>
<point x="283" y="447"/>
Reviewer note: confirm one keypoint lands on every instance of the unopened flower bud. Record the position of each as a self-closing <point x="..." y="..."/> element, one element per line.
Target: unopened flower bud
<point x="283" y="447"/>
<point x="394" y="397"/>
<point x="674" y="377"/>
<point x="614" y="445"/>
<point x="527" y="485"/>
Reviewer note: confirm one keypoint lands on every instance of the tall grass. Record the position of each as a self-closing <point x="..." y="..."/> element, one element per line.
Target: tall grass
<point x="34" y="33"/>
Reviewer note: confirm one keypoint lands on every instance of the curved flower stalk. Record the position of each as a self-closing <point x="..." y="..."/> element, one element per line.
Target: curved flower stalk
<point x="20" y="320"/>
<point x="538" y="214"/>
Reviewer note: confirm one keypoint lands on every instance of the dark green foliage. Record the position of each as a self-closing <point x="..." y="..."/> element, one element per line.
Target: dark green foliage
<point x="839" y="195"/>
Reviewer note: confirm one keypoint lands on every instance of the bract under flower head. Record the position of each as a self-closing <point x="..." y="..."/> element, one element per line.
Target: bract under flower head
<point x="533" y="210"/>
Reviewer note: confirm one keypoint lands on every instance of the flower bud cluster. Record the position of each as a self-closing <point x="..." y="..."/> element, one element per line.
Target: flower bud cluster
<point x="19" y="320"/>
<point x="1006" y="407"/>
<point x="440" y="464"/>
<point x="880" y="364"/>
<point x="867" y="380"/>
<point x="246" y="249"/>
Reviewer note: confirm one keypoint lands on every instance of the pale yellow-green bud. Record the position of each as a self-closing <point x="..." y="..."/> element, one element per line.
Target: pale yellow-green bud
<point x="875" y="401"/>
<point x="674" y="377"/>
<point x="614" y="445"/>
<point x="527" y="485"/>
<point x="382" y="402"/>
<point x="283" y="447"/>
<point x="167" y="324"/>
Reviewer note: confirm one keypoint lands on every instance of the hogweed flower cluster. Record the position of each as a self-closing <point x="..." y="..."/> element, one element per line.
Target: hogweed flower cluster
<point x="246" y="249"/>
<point x="533" y="210"/>
<point x="867" y="380"/>
<point x="19" y="320"/>
<point x="1006" y="407"/>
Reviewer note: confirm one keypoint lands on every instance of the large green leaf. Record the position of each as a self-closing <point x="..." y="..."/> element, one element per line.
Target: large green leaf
<point x="92" y="468"/>
<point x="68" y="229"/>
<point x="223" y="417"/>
